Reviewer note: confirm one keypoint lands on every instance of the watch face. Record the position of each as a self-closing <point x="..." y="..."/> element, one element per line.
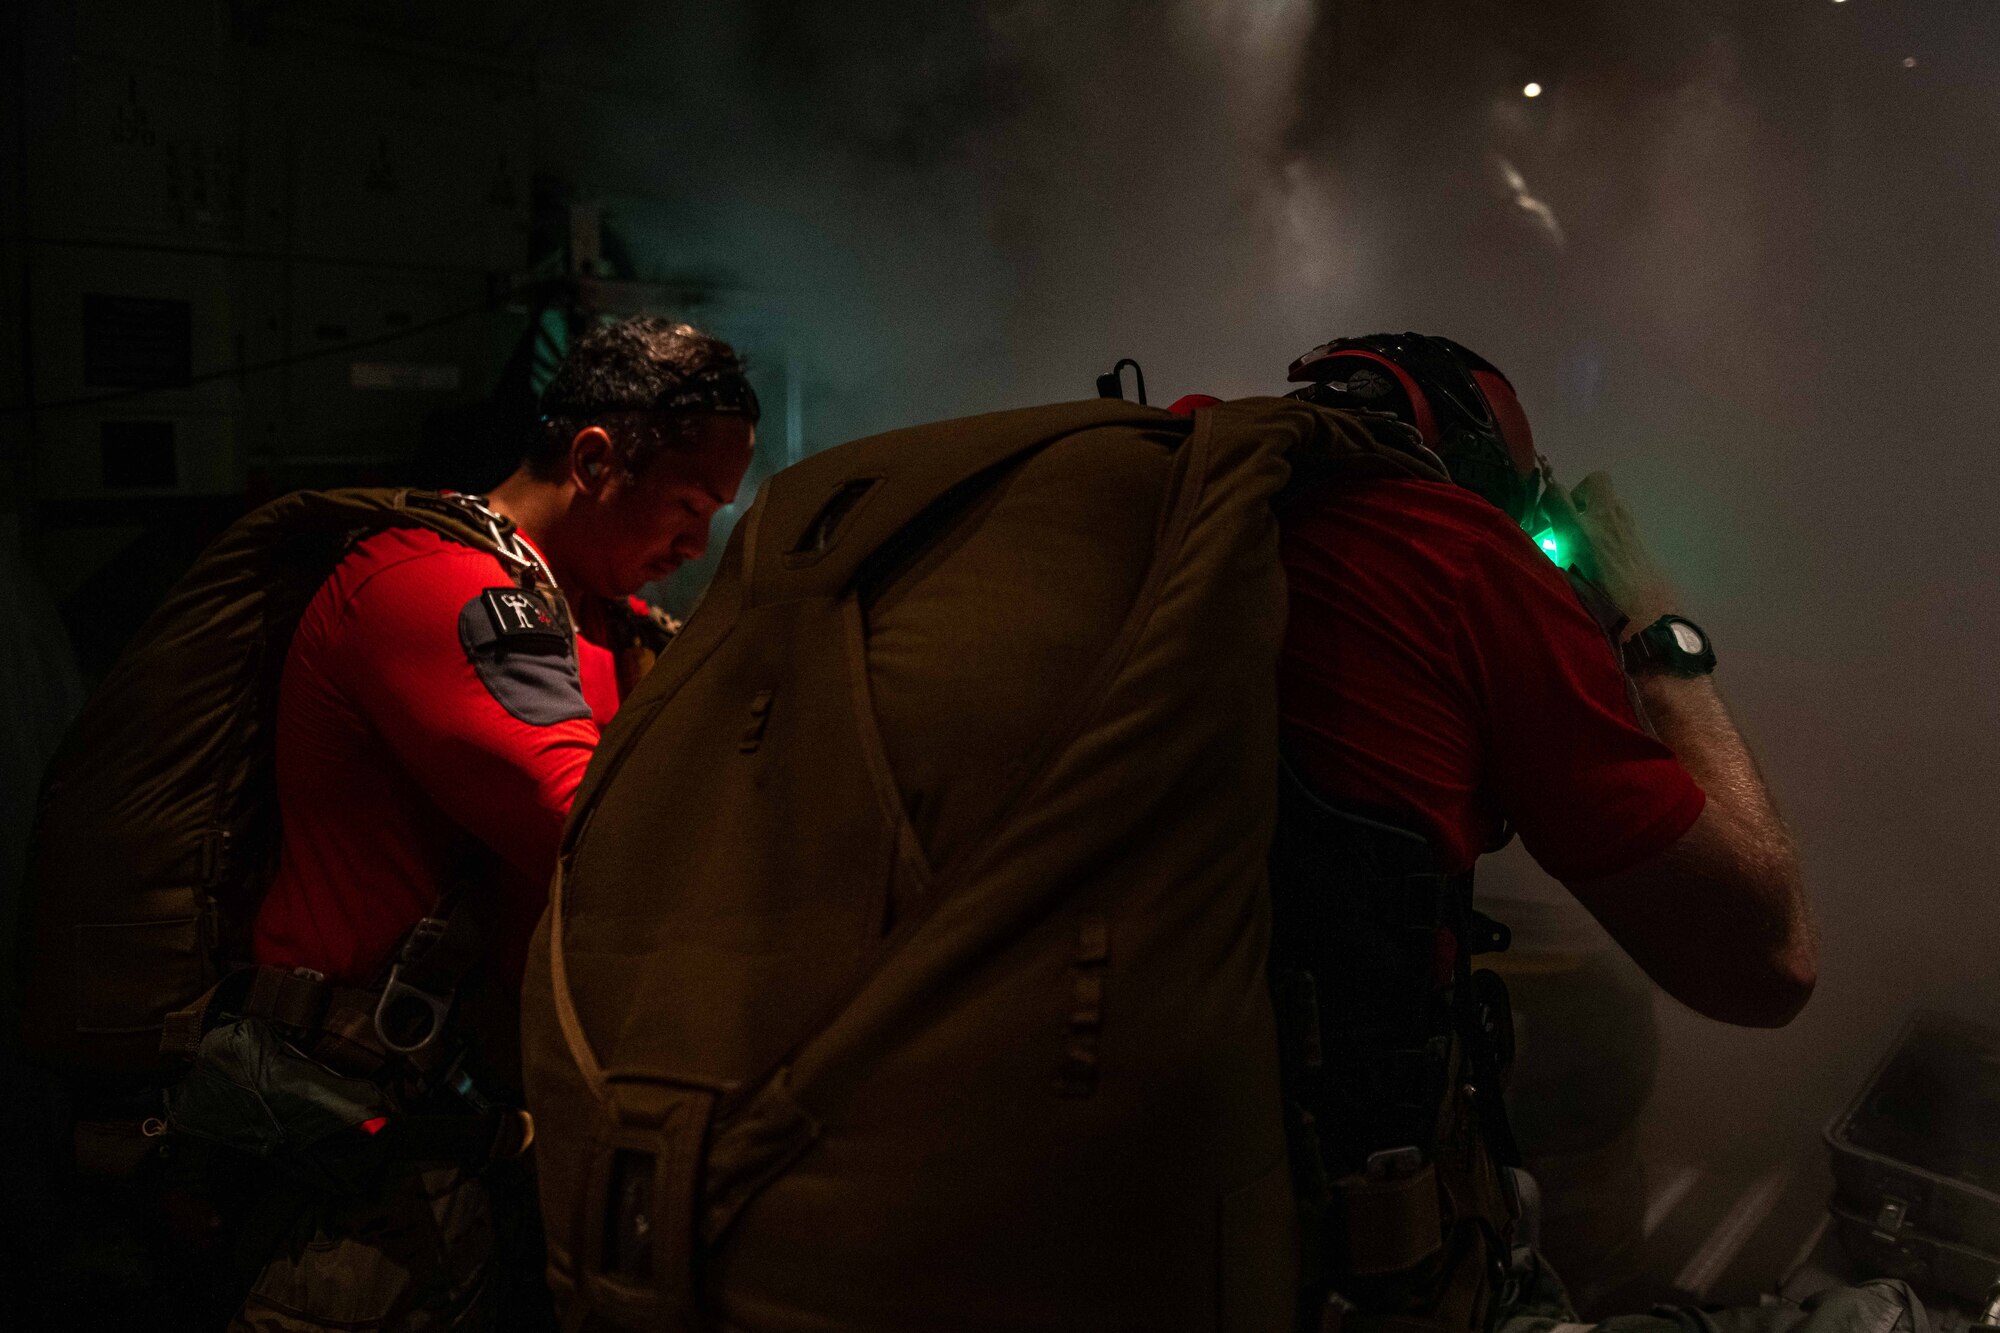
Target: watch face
<point x="1687" y="638"/>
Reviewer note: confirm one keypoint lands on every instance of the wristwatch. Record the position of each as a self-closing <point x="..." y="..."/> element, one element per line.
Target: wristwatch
<point x="1670" y="646"/>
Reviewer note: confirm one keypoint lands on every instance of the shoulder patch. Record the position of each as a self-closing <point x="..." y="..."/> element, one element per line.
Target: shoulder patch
<point x="518" y="615"/>
<point x="524" y="659"/>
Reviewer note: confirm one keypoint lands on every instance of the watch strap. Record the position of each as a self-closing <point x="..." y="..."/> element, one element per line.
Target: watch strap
<point x="1655" y="649"/>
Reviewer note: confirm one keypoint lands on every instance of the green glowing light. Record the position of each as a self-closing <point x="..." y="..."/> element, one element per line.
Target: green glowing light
<point x="1551" y="547"/>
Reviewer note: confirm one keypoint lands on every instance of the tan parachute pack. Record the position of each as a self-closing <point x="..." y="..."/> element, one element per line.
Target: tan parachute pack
<point x="905" y="969"/>
<point x="157" y="819"/>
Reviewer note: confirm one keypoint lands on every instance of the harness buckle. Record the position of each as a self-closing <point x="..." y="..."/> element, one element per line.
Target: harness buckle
<point x="409" y="1018"/>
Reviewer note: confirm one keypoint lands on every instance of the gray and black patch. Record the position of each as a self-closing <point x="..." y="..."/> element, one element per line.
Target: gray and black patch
<point x="523" y="655"/>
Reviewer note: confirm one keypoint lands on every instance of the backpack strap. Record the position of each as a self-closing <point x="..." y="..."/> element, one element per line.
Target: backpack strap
<point x="470" y="520"/>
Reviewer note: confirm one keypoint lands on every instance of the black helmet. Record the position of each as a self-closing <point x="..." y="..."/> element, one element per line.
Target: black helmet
<point x="1461" y="405"/>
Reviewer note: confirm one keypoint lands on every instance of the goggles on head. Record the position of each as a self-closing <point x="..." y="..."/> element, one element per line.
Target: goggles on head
<point x="1433" y="384"/>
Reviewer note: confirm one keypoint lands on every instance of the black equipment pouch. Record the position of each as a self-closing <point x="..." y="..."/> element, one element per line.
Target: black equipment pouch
<point x="252" y="1092"/>
<point x="247" y="1090"/>
<point x="1394" y="1054"/>
<point x="328" y="1083"/>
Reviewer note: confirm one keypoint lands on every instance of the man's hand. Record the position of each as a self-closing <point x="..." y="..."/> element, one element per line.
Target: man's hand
<point x="1602" y="530"/>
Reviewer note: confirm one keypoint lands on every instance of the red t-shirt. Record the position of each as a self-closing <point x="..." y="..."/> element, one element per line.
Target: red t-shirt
<point x="596" y="664"/>
<point x="399" y="757"/>
<point x="1437" y="663"/>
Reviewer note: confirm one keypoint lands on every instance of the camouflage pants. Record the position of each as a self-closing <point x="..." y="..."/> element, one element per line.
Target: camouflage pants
<point x="1872" y="1307"/>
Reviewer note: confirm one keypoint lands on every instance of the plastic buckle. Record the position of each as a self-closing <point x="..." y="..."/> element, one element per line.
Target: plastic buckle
<point x="423" y="938"/>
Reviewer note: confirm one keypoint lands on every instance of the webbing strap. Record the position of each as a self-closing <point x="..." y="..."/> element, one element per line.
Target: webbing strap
<point x="640" y="1246"/>
<point x="290" y="998"/>
<point x="334" y="1024"/>
<point x="440" y="950"/>
<point x="578" y="1044"/>
<point x="181" y="1032"/>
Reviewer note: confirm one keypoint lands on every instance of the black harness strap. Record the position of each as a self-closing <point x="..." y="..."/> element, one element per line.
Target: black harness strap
<point x="394" y="1029"/>
<point x="1387" y="1037"/>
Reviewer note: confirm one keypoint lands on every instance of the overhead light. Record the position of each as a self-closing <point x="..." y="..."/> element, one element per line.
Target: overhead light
<point x="1909" y="62"/>
<point x="1532" y="90"/>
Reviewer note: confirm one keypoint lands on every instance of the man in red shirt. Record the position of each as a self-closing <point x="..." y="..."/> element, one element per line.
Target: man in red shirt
<point x="434" y="720"/>
<point x="1439" y="662"/>
<point x="420" y="728"/>
<point x="1444" y="685"/>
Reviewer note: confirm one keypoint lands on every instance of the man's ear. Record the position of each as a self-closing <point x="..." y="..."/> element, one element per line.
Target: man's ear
<point x="592" y="461"/>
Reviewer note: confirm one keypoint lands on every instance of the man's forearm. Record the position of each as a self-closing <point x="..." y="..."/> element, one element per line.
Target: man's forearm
<point x="1719" y="919"/>
<point x="1689" y="715"/>
<point x="1691" y="720"/>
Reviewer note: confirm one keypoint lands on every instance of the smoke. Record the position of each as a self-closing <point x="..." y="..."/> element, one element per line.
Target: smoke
<point x="1763" y="308"/>
<point x="938" y="209"/>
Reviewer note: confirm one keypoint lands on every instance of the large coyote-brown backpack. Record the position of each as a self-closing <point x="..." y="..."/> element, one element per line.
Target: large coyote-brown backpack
<point x="157" y="818"/>
<point x="905" y="968"/>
